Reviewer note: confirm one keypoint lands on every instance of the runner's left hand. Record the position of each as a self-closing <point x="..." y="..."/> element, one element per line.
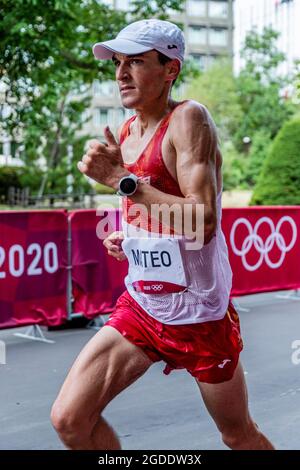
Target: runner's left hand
<point x="103" y="161"/>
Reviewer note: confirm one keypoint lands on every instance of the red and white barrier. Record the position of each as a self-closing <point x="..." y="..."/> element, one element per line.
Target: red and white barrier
<point x="38" y="248"/>
<point x="264" y="248"/>
<point x="33" y="274"/>
<point x="97" y="279"/>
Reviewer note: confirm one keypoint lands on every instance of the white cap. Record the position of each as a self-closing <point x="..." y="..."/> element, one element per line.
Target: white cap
<point x="143" y="36"/>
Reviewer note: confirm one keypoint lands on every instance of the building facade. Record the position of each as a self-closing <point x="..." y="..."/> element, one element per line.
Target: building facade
<point x="281" y="15"/>
<point x="208" y="30"/>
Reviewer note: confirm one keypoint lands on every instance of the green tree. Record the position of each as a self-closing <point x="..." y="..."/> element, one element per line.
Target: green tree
<point x="259" y="87"/>
<point x="279" y="181"/>
<point x="52" y="121"/>
<point x="254" y="161"/>
<point x="296" y="85"/>
<point x="234" y="166"/>
<point x="45" y="58"/>
<point x="52" y="41"/>
<point x="216" y="89"/>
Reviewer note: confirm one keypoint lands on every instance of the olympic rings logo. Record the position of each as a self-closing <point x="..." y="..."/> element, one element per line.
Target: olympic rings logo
<point x="157" y="287"/>
<point x="262" y="247"/>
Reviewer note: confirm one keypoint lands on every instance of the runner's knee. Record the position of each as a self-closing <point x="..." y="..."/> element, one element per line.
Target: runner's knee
<point x="238" y="437"/>
<point x="72" y="428"/>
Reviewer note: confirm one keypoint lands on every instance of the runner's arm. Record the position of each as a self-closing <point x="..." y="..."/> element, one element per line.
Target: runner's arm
<point x="194" y="138"/>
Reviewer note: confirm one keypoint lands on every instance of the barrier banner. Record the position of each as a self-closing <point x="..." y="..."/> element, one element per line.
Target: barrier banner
<point x="97" y="278"/>
<point x="33" y="274"/>
<point x="263" y="244"/>
<point x="264" y="248"/>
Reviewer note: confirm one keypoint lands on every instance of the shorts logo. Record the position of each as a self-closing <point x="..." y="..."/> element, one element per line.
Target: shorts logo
<point x="224" y="363"/>
<point x="263" y="247"/>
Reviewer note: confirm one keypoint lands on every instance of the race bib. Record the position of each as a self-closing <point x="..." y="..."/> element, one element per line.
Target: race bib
<point x="155" y="265"/>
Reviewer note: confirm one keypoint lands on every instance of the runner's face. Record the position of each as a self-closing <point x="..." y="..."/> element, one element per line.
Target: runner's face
<point x="141" y="78"/>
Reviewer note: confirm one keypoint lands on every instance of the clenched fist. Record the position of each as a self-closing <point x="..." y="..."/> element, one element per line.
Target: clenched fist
<point x="113" y="244"/>
<point x="103" y="162"/>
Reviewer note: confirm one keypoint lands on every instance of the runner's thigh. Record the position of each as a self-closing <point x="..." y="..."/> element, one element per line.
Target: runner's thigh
<point x="107" y="365"/>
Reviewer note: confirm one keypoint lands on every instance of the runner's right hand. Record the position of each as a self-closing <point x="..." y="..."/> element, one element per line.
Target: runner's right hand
<point x="113" y="244"/>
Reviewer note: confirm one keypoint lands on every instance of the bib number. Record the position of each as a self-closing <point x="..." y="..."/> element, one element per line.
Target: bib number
<point x="155" y="265"/>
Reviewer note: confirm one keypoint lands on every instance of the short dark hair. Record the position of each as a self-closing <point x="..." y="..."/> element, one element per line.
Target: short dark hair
<point x="163" y="59"/>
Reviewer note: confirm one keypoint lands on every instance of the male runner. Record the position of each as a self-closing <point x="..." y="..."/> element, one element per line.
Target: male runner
<point x="176" y="307"/>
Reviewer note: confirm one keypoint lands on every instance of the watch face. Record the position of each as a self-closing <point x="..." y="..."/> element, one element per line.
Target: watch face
<point x="127" y="185"/>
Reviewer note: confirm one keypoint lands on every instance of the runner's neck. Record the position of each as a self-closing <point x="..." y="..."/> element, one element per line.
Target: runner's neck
<point x="151" y="121"/>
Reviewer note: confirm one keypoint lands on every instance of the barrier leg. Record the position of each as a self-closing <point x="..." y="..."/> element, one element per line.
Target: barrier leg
<point x="69" y="272"/>
<point x="35" y="333"/>
<point x="96" y="323"/>
<point x="291" y="295"/>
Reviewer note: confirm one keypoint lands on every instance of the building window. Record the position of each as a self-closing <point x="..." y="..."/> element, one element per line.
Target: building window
<point x="103" y="88"/>
<point x="196" y="7"/>
<point x="197" y="35"/>
<point x="218" y="37"/>
<point x="102" y="117"/>
<point x="218" y="9"/>
<point x="199" y="59"/>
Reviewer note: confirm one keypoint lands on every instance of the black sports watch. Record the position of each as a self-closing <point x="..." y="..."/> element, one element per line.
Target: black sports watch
<point x="128" y="185"/>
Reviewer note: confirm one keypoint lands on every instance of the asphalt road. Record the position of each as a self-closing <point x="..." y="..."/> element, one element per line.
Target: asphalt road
<point x="158" y="411"/>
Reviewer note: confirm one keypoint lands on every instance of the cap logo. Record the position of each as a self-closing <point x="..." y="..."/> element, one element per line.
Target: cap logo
<point x="172" y="47"/>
